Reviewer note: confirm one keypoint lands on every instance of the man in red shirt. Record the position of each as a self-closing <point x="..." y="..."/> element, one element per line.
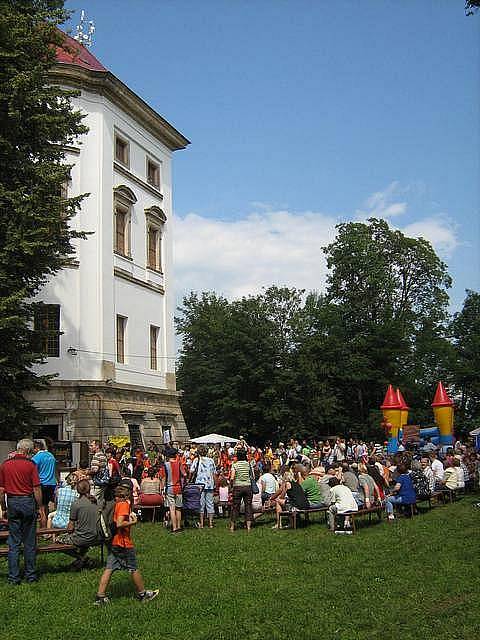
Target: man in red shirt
<point x="20" y="483"/>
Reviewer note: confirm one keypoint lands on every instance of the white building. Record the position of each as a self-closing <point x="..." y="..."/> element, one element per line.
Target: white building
<point x="110" y="315"/>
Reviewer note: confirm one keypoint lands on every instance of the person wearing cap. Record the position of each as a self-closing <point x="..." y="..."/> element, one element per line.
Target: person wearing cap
<point x="20" y="483"/>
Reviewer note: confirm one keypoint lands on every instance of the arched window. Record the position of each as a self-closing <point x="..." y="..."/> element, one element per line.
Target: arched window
<point x="123" y="201"/>
<point x="155" y="220"/>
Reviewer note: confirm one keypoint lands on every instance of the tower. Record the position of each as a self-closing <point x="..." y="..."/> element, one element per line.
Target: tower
<point x="110" y="314"/>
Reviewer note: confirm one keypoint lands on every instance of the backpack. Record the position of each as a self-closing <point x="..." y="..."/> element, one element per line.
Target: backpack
<point x="106" y="527"/>
<point x="420" y="484"/>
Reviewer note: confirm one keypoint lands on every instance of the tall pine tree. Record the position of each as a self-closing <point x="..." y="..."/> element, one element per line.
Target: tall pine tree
<point x="37" y="121"/>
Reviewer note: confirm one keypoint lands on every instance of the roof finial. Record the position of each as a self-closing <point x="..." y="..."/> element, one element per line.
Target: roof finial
<point x="84" y="38"/>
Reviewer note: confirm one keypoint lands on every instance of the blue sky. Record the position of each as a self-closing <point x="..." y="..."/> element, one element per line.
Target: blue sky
<point x="303" y="114"/>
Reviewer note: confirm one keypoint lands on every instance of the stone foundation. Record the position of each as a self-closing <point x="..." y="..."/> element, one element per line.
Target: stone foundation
<point x="87" y="410"/>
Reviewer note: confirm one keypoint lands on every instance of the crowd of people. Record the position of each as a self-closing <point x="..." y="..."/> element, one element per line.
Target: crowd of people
<point x="338" y="475"/>
<point x="235" y="477"/>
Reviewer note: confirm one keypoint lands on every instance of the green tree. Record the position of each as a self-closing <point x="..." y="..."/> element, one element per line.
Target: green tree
<point x="471" y="6"/>
<point x="389" y="289"/>
<point x="320" y="369"/>
<point x="203" y="326"/>
<point x="36" y="122"/>
<point x="465" y="330"/>
<point x="237" y="363"/>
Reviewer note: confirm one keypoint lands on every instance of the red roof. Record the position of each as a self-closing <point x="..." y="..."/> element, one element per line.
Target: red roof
<point x="75" y="53"/>
<point x="391" y="400"/>
<point x="441" y="398"/>
<point x="401" y="399"/>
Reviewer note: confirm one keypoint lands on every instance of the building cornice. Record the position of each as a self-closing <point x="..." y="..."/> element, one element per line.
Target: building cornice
<point x="125" y="275"/>
<point x="141" y="183"/>
<point x="84" y="386"/>
<point x="108" y="85"/>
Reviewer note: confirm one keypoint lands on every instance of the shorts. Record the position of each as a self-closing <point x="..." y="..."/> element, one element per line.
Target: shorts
<point x="175" y="500"/>
<point x="48" y="494"/>
<point x="122" y="559"/>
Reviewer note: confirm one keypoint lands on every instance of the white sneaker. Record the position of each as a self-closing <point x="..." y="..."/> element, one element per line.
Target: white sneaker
<point x="148" y="595"/>
<point x="391" y="516"/>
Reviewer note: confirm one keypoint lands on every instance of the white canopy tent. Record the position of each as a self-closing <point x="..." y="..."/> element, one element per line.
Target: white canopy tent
<point x="213" y="438"/>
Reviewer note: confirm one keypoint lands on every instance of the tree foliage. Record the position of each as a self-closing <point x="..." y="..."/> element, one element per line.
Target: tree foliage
<point x="284" y="363"/>
<point x="391" y="294"/>
<point x="471" y="6"/>
<point x="36" y="122"/>
<point x="465" y="330"/>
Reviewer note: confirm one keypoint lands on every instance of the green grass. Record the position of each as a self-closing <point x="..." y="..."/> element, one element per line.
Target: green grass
<point x="409" y="579"/>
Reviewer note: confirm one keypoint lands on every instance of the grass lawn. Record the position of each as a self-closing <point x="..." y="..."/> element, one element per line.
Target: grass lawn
<point x="408" y="579"/>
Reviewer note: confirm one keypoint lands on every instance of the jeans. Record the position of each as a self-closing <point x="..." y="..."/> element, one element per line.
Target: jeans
<point x="242" y="492"/>
<point x="358" y="498"/>
<point x="206" y="501"/>
<point x="22" y="525"/>
<point x="390" y="501"/>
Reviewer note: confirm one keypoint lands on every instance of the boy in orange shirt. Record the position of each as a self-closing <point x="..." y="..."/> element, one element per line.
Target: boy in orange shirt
<point x="121" y="554"/>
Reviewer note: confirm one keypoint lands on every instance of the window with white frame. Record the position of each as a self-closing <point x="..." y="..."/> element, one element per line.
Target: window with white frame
<point x="155" y="221"/>
<point x="123" y="201"/>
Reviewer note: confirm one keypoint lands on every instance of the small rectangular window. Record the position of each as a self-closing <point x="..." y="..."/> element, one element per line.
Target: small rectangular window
<point x="154" y="332"/>
<point x="153" y="173"/>
<point x="47" y="326"/>
<point x="121" y="330"/>
<point x="153" y="238"/>
<point x="121" y="231"/>
<point x="122" y="151"/>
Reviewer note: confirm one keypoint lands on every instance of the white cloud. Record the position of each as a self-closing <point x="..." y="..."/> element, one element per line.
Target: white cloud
<point x="439" y="230"/>
<point x="239" y="257"/>
<point x="382" y="204"/>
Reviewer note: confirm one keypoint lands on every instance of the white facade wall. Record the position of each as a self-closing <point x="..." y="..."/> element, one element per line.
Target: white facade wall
<point x="91" y="295"/>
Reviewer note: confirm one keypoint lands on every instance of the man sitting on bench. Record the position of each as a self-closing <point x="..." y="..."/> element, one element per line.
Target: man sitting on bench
<point x="342" y="502"/>
<point x="82" y="526"/>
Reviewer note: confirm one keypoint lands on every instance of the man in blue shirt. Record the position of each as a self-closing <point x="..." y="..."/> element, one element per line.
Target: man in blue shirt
<point x="46" y="465"/>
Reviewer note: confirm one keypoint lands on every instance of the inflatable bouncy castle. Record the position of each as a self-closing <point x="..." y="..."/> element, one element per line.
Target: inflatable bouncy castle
<point x="395" y="417"/>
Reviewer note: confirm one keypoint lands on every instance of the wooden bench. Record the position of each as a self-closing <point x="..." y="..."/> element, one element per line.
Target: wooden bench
<point x="259" y="514"/>
<point x="45" y="548"/>
<point x="432" y="499"/>
<point x="53" y="547"/>
<point x="292" y="515"/>
<point x="353" y="515"/>
<point x="40" y="532"/>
